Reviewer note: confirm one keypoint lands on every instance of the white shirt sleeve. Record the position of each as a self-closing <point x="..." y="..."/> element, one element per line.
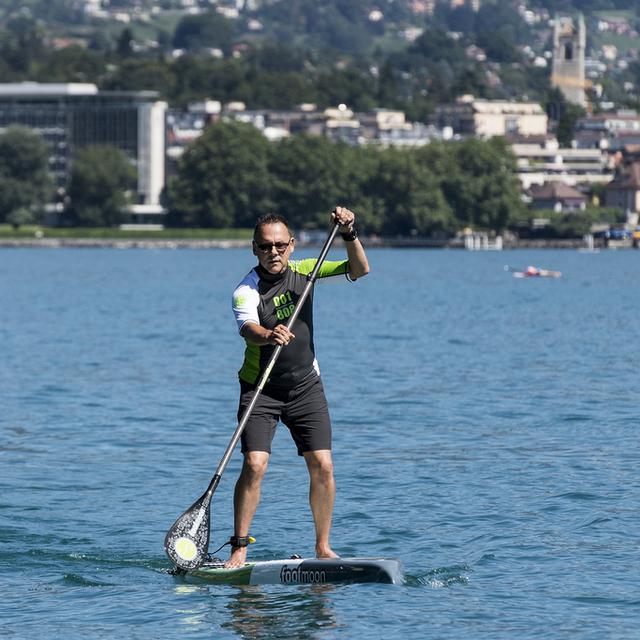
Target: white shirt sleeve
<point x="245" y="303"/>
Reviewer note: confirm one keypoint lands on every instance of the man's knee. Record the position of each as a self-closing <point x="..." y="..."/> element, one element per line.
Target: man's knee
<point x="255" y="465"/>
<point x="320" y="464"/>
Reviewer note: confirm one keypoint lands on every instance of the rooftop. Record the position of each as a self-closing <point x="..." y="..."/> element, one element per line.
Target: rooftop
<point x="44" y="90"/>
<point x="555" y="190"/>
<point x="48" y="89"/>
<point x="627" y="178"/>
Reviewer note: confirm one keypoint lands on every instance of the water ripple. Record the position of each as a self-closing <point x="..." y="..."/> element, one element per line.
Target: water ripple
<point x="485" y="432"/>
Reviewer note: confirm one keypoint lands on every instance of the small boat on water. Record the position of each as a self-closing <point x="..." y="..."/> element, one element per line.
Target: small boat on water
<point x="534" y="272"/>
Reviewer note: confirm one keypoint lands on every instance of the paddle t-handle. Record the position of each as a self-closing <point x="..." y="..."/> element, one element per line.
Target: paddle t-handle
<point x="187" y="541"/>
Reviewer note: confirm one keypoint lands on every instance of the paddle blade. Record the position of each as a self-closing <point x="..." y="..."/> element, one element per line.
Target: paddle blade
<point x="187" y="541"/>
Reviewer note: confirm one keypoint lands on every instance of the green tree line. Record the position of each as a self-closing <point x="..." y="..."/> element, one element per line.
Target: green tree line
<point x="232" y="174"/>
<point x="100" y="185"/>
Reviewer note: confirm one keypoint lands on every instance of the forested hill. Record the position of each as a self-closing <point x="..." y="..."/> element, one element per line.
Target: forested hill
<point x="349" y="26"/>
<point x="405" y="54"/>
<point x="353" y="25"/>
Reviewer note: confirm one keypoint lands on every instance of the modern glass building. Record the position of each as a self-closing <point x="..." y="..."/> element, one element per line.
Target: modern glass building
<point x="72" y="116"/>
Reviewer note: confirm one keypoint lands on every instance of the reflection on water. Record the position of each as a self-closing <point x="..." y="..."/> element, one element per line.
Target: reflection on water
<point x="190" y="616"/>
<point x="281" y="613"/>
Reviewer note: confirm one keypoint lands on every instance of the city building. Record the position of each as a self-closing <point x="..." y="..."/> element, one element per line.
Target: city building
<point x="611" y="131"/>
<point x="72" y="116"/>
<point x="541" y="163"/>
<point x="569" y="39"/>
<point x="341" y="125"/>
<point x="389" y="128"/>
<point x="558" y="197"/>
<point x="487" y="118"/>
<point x="422" y="7"/>
<point x="474" y="5"/>
<point x="624" y="190"/>
<point x="382" y="127"/>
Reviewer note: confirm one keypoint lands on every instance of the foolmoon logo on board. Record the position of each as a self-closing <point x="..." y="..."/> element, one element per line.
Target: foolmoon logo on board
<point x="305" y="576"/>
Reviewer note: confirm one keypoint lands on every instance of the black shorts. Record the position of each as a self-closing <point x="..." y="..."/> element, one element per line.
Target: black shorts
<point x="302" y="409"/>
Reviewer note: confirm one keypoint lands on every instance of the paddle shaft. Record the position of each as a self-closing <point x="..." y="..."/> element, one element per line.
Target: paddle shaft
<point x="311" y="278"/>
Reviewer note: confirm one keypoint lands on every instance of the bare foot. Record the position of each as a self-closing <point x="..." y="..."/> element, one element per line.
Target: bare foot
<point x="325" y="552"/>
<point x="237" y="559"/>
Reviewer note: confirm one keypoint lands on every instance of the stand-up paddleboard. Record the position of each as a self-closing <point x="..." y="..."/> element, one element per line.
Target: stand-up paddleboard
<point x="305" y="571"/>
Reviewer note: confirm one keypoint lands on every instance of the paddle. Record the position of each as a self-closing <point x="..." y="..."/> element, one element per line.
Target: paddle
<point x="187" y="541"/>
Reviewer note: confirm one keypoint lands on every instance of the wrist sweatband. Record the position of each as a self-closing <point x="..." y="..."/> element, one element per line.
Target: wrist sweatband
<point x="349" y="236"/>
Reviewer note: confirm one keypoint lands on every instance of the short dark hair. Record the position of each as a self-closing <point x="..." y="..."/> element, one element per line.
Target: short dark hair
<point x="270" y="218"/>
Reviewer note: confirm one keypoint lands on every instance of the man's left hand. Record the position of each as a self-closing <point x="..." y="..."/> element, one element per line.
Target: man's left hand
<point x="344" y="217"/>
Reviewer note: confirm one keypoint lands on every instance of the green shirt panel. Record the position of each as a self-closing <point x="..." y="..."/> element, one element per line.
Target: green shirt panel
<point x="327" y="269"/>
<point x="251" y="366"/>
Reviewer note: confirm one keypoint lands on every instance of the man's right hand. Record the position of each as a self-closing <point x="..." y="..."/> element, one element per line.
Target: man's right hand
<point x="280" y="335"/>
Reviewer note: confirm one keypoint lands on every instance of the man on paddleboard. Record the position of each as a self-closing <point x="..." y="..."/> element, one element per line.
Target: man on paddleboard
<point x="262" y="304"/>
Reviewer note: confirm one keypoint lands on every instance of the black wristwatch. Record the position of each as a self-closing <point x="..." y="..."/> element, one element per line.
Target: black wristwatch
<point x="349" y="236"/>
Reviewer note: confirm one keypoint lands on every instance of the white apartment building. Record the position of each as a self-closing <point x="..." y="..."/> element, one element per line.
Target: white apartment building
<point x="488" y="118"/>
<point x="538" y="164"/>
<point x="75" y="115"/>
<point x="610" y="131"/>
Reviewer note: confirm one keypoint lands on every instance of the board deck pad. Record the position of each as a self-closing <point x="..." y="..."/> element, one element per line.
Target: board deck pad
<point x="305" y="571"/>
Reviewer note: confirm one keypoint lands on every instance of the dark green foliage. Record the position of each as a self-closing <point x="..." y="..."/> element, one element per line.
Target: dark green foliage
<point x="279" y="90"/>
<point x="348" y="86"/>
<point x="300" y="44"/>
<point x="587" y="6"/>
<point x="482" y="188"/>
<point x="205" y="31"/>
<point x="502" y="17"/>
<point x="65" y="11"/>
<point x="325" y="53"/>
<point x="139" y="75"/>
<point x="124" y="47"/>
<point x="20" y="217"/>
<point x="72" y="64"/>
<point x="277" y="58"/>
<point x="20" y="47"/>
<point x="409" y="195"/>
<point x="223" y="179"/>
<point x="310" y="176"/>
<point x="525" y="81"/>
<point x="232" y="174"/>
<point x="435" y="45"/>
<point x="462" y="19"/>
<point x="436" y="68"/>
<point x="338" y="25"/>
<point x="564" y="115"/>
<point x="101" y="180"/>
<point x="25" y="185"/>
<point x="498" y="46"/>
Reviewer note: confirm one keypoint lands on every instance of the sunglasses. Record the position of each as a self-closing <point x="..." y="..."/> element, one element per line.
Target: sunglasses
<point x="266" y="247"/>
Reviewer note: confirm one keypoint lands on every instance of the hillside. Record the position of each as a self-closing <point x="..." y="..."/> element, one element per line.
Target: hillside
<point x="410" y="54"/>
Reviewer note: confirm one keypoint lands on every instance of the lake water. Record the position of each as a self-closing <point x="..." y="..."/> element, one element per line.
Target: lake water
<point x="485" y="432"/>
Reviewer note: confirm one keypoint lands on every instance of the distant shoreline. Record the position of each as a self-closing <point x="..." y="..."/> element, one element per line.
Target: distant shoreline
<point x="120" y="243"/>
<point x="183" y="243"/>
